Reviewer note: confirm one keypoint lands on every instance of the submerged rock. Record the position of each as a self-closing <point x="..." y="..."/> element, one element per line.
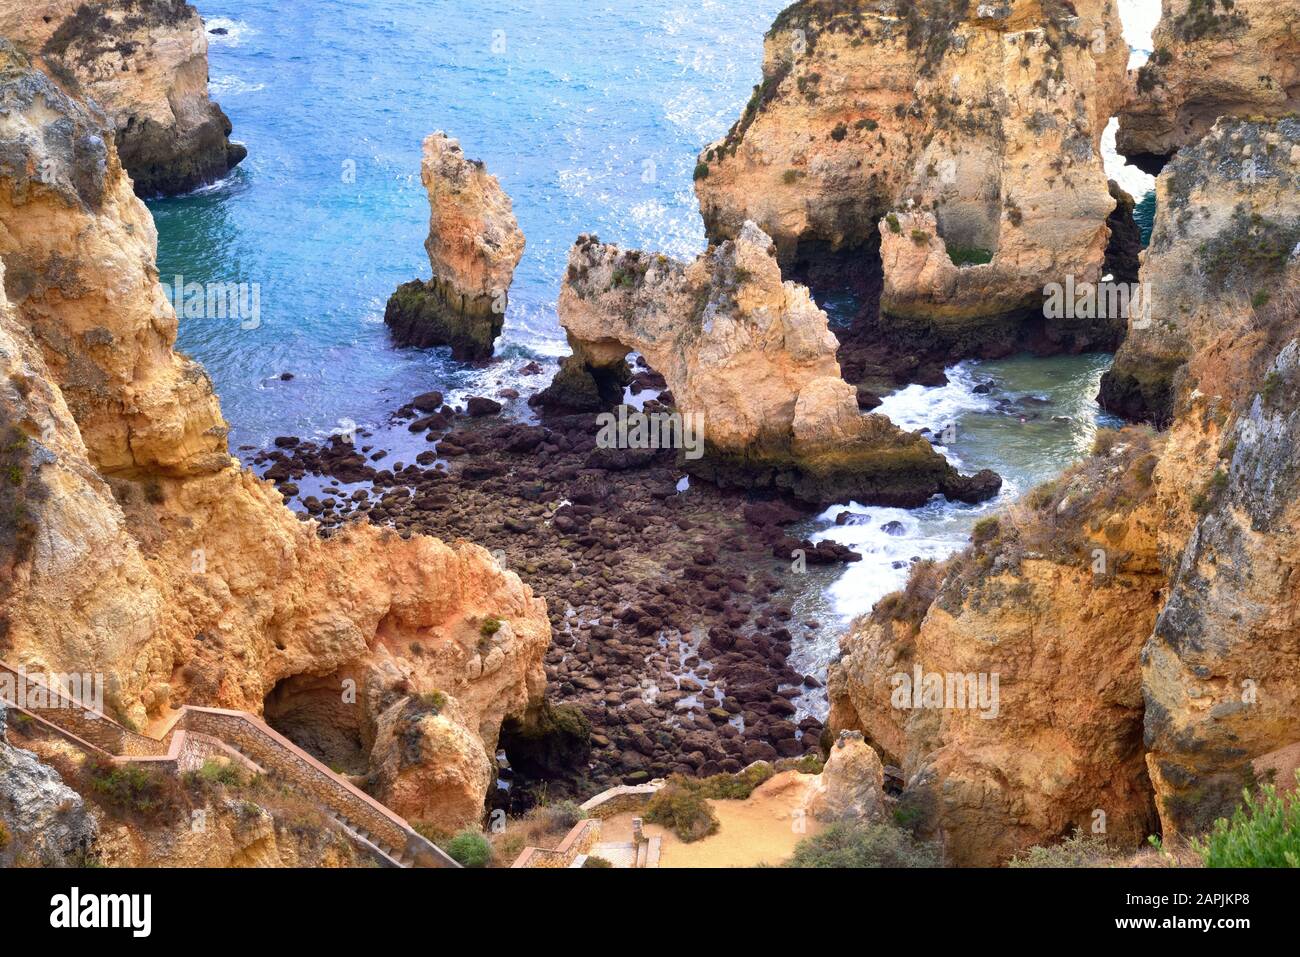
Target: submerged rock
<point x="146" y="66"/>
<point x="474" y="245"/>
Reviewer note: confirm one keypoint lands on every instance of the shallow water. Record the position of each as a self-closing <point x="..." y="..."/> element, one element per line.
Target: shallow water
<point x="1036" y="417"/>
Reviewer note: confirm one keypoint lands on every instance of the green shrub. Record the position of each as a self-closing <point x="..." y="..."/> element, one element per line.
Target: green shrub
<point x="894" y="226"/>
<point x="807" y="764"/>
<point x="850" y="844"/>
<point x="683" y="810"/>
<point x="594" y="861"/>
<point x="470" y="849"/>
<point x="1263" y="832"/>
<point x="969" y="255"/>
<point x="1104" y="441"/>
<point x="560" y="816"/>
<point x="701" y="171"/>
<point x="920" y="237"/>
<point x="215" y="772"/>
<point x="489" y="627"/>
<point x="839" y="132"/>
<point x="731" y="787"/>
<point x="147" y="792"/>
<point x="986" y="530"/>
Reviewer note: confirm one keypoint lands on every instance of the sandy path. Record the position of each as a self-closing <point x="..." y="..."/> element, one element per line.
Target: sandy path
<point x="759" y="830"/>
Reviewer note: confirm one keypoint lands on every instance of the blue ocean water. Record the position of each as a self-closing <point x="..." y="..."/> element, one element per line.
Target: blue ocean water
<point x="591" y="114"/>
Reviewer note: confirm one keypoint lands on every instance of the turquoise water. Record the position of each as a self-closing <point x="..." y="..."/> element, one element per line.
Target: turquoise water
<point x="591" y="114"/>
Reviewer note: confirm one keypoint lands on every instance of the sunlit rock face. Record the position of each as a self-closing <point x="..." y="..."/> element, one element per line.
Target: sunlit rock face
<point x="962" y="138"/>
<point x="1210" y="58"/>
<point x="753" y="358"/>
<point x="145" y="64"/>
<point x="132" y="545"/>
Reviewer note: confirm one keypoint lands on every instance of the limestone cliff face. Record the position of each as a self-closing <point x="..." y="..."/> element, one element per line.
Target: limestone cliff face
<point x="145" y="63"/>
<point x="1210" y="58"/>
<point x="1167" y="676"/>
<point x="133" y="545"/>
<point x="979" y="123"/>
<point x="1227" y="220"/>
<point x="1219" y="671"/>
<point x="1053" y="601"/>
<point x="474" y="245"/>
<point x="753" y="356"/>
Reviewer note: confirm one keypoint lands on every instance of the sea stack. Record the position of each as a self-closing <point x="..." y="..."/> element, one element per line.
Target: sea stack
<point x="474" y="246"/>
<point x="146" y="66"/>
<point x="755" y="357"/>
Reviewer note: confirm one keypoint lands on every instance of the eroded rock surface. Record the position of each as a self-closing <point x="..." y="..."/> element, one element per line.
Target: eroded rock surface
<point x="976" y="125"/>
<point x="134" y="546"/>
<point x="145" y="63"/>
<point x="45" y="823"/>
<point x="1227" y="221"/>
<point x="753" y="359"/>
<point x="474" y="245"/>
<point x="1135" y="609"/>
<point x="1210" y="58"/>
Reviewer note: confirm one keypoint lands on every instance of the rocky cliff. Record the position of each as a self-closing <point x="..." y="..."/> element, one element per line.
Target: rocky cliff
<point x="1139" y="612"/>
<point x="145" y="64"/>
<point x="962" y="138"/>
<point x="134" y="546"/>
<point x="1210" y="58"/>
<point x="474" y="245"/>
<point x="753" y="357"/>
<point x="1227" y="220"/>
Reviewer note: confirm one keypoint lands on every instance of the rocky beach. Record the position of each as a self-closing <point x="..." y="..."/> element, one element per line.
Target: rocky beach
<point x="882" y="490"/>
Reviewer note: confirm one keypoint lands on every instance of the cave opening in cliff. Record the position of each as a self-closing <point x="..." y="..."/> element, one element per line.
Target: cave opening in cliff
<point x="322" y="715"/>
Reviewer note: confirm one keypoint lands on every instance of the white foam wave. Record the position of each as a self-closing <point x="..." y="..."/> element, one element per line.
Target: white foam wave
<point x="227" y="86"/>
<point x="933" y="407"/>
<point x="235" y="32"/>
